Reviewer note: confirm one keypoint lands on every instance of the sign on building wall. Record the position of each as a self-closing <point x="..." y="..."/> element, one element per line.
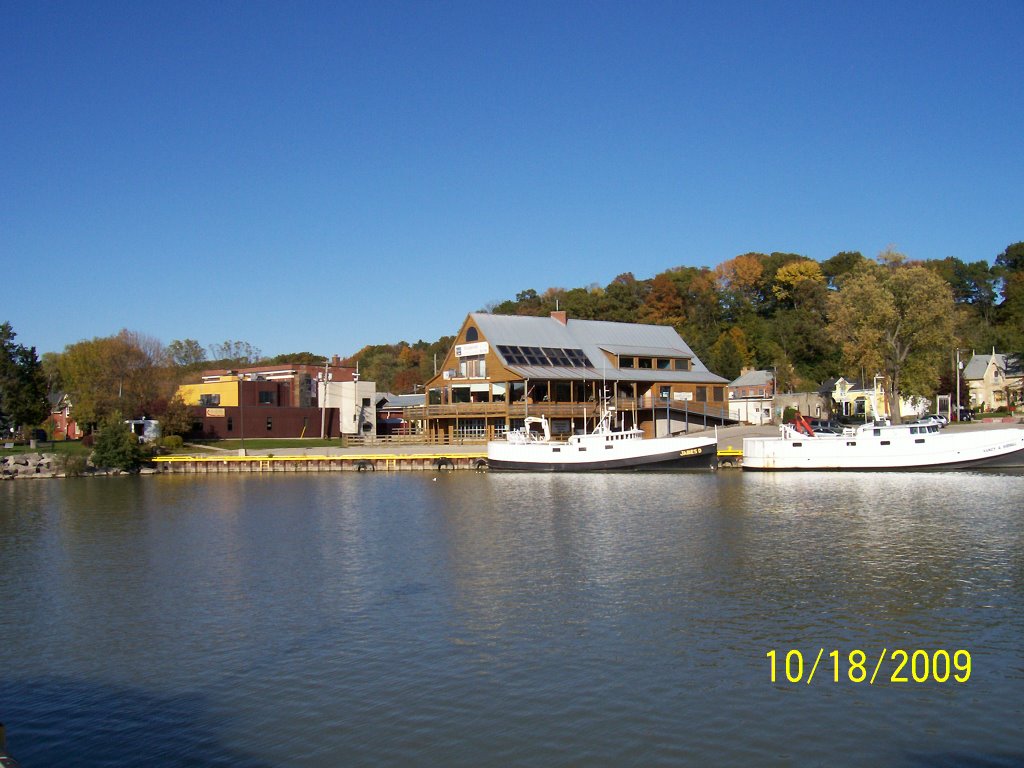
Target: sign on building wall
<point x="212" y="413"/>
<point x="468" y="350"/>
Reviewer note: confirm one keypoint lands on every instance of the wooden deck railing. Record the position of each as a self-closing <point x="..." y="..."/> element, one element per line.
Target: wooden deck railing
<point x="518" y="410"/>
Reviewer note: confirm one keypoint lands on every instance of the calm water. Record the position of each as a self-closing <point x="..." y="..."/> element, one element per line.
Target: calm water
<point x="469" y="619"/>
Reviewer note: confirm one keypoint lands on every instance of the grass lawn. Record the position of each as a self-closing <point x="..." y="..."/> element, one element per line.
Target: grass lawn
<point x="60" y="447"/>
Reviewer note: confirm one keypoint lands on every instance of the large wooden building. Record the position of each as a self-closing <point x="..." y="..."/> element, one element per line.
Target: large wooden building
<point x="504" y="368"/>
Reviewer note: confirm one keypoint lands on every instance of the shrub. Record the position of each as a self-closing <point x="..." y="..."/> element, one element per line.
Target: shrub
<point x="172" y="443"/>
<point x="72" y="465"/>
<point x="117" y="447"/>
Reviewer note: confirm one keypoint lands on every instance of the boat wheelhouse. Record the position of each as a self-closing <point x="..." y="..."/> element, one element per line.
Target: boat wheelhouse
<point x="883" y="446"/>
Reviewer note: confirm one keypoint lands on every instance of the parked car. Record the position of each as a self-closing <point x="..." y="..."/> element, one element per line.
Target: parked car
<point x="966" y="414"/>
<point x="821" y="425"/>
<point x="932" y="418"/>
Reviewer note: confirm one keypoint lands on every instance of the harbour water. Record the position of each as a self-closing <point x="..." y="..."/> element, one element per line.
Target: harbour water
<point x="473" y="619"/>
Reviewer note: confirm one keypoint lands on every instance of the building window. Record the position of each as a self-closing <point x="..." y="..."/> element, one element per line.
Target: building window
<point x="717" y="395"/>
<point x="644" y="362"/>
<point x="665" y="393"/>
<point x="208" y="400"/>
<point x="627" y="362"/>
<point x="366" y="402"/>
<point x="681" y="365"/>
<point x="266" y="398"/>
<point x="471" y="334"/>
<point x="270" y="423"/>
<point x="231" y="424"/>
<point x="473" y="367"/>
<point x="702" y="394"/>
<point x="664" y="363"/>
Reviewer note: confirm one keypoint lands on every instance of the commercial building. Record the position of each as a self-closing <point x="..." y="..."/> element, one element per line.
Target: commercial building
<point x="504" y="368"/>
<point x="280" y="401"/>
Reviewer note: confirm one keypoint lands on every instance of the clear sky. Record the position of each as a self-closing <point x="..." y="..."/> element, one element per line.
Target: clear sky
<point x="322" y="176"/>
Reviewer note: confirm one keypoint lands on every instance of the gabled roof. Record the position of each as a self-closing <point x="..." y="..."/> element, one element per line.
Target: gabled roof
<point x="977" y="366"/>
<point x="753" y="379"/>
<point x="593" y="338"/>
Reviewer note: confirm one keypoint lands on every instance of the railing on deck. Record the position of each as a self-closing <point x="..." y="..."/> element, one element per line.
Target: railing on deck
<point x="706" y="414"/>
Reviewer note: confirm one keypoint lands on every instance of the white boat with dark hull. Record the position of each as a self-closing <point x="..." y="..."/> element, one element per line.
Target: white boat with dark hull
<point x="604" y="449"/>
<point x="883" y="446"/>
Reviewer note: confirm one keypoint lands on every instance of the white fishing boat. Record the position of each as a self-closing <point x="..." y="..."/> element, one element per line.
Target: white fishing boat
<point x="881" y="445"/>
<point x="605" y="448"/>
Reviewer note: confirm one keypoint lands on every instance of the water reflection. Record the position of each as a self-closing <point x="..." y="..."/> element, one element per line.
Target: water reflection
<point x="474" y="619"/>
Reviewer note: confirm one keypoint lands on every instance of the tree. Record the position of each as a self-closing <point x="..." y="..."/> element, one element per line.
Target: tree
<point x="729" y="353"/>
<point x="123" y="373"/>
<point x="176" y="418"/>
<point x="296" y="358"/>
<point x="739" y="282"/>
<point x="663" y="305"/>
<point x="186" y="353"/>
<point x="841" y="264"/>
<point x="117" y="447"/>
<point x="234" y="353"/>
<point x="623" y="297"/>
<point x="895" y="320"/>
<point x="22" y="383"/>
<point x="790" y="277"/>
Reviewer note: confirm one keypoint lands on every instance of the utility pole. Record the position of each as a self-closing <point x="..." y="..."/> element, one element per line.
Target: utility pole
<point x="325" y="378"/>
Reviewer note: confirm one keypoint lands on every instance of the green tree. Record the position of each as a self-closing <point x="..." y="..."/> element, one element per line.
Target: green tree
<point x="841" y="264"/>
<point x="623" y="297"/>
<point x="896" y="320"/>
<point x="123" y="374"/>
<point x="22" y="383"/>
<point x="117" y="447"/>
<point x="730" y="354"/>
<point x="186" y="353"/>
<point x="176" y="418"/>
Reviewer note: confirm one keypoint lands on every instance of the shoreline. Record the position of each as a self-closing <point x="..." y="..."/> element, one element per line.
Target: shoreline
<point x="404" y="457"/>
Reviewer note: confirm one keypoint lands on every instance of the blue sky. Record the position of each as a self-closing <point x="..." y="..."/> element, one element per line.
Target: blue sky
<point x="322" y="176"/>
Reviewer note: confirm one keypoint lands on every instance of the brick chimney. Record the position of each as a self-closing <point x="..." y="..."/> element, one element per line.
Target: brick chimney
<point x="561" y="316"/>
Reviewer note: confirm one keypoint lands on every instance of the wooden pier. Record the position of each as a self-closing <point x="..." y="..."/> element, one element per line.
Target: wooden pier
<point x="369" y="462"/>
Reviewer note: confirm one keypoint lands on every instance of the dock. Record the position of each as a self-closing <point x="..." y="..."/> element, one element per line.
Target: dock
<point x="347" y="462"/>
<point x="359" y="462"/>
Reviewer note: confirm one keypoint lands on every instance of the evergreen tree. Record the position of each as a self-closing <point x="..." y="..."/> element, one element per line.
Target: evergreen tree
<point x="22" y="383"/>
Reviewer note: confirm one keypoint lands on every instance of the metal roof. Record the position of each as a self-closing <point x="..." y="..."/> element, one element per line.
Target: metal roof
<point x="752" y="379"/>
<point x="593" y="336"/>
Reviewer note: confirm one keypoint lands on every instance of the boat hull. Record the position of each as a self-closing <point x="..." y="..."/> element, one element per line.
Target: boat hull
<point x="660" y="454"/>
<point x="1002" y="449"/>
